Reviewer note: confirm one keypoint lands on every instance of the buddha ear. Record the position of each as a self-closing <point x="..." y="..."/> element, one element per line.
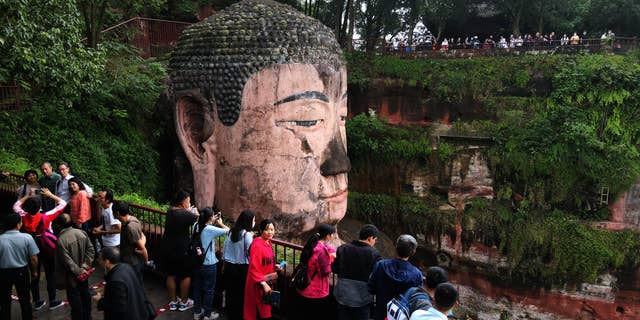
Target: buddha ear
<point x="194" y="122"/>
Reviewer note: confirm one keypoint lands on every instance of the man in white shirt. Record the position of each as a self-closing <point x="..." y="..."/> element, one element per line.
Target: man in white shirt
<point x="62" y="186"/>
<point x="110" y="228"/>
<point x="446" y="297"/>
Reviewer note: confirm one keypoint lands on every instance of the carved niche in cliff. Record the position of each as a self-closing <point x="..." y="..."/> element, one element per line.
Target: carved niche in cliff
<point x="259" y="100"/>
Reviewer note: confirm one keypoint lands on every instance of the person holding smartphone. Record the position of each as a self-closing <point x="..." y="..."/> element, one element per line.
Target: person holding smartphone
<point x="262" y="271"/>
<point x="209" y="227"/>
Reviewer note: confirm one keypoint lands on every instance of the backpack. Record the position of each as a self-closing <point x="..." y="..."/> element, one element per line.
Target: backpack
<point x="45" y="240"/>
<point x="195" y="247"/>
<point x="402" y="306"/>
<point x="299" y="279"/>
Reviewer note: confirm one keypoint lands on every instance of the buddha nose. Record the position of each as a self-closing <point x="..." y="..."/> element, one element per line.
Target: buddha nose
<point x="336" y="159"/>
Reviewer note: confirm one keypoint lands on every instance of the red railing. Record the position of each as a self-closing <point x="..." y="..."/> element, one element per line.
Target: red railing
<point x="153" y="37"/>
<point x="11" y="98"/>
<point x="153" y="227"/>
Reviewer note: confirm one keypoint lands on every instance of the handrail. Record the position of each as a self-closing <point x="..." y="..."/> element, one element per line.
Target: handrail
<point x="153" y="228"/>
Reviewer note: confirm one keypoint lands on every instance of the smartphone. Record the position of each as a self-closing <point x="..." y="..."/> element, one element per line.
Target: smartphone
<point x="282" y="264"/>
<point x="218" y="215"/>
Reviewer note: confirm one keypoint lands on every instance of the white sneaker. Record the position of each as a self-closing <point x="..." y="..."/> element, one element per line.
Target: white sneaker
<point x="184" y="306"/>
<point x="198" y="315"/>
<point x="212" y="316"/>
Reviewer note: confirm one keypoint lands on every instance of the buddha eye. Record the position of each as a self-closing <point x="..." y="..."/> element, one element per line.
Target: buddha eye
<point x="309" y="123"/>
<point x="299" y="123"/>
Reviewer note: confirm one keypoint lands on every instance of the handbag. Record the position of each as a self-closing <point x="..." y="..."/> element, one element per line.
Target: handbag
<point x="272" y="298"/>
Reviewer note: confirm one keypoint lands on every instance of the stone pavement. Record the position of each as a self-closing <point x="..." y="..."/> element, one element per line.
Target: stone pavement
<point x="154" y="288"/>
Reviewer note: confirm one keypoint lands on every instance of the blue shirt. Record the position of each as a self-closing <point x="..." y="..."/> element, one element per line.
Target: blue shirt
<point x="238" y="252"/>
<point x="389" y="278"/>
<point x="16" y="248"/>
<point x="208" y="234"/>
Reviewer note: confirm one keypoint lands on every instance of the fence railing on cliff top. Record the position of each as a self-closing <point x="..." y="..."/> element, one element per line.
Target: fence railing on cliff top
<point x="153" y="37"/>
<point x="152" y="221"/>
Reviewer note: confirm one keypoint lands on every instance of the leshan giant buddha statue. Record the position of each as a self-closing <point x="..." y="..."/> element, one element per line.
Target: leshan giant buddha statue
<point x="259" y="96"/>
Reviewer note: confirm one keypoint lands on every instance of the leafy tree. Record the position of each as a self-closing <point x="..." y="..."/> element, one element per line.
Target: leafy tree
<point x="41" y="48"/>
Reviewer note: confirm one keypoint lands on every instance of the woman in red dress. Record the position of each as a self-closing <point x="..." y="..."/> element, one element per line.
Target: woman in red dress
<point x="262" y="270"/>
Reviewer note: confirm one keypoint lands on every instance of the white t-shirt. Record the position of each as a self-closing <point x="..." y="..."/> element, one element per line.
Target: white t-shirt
<point x="110" y="239"/>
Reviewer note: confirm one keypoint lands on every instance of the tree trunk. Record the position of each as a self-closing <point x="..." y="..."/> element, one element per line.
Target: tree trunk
<point x="516" y="17"/>
<point x="354" y="8"/>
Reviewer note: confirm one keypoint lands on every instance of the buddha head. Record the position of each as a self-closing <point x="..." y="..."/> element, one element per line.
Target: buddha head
<point x="259" y="98"/>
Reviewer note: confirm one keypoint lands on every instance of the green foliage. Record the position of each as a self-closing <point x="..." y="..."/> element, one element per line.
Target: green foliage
<point x="373" y="140"/>
<point x="141" y="200"/>
<point x="584" y="139"/>
<point x="417" y="215"/>
<point x="13" y="162"/>
<point x="41" y="48"/>
<point x="548" y="248"/>
<point x="107" y="137"/>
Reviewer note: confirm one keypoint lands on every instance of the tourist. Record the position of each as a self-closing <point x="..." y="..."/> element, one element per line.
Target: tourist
<point x="446" y="297"/>
<point x="19" y="254"/>
<point x="209" y="227"/>
<point x="132" y="240"/>
<point x="444" y="46"/>
<point x="48" y="180"/>
<point x="110" y="227"/>
<point x="31" y="186"/>
<point x="35" y="222"/>
<point x="353" y="265"/>
<point x="391" y="277"/>
<point x="262" y="271"/>
<point x="62" y="186"/>
<point x="123" y="298"/>
<point x="236" y="262"/>
<point x="575" y="39"/>
<point x="317" y="255"/>
<point x="79" y="205"/>
<point x="73" y="260"/>
<point x="564" y="40"/>
<point x="175" y="243"/>
<point x="422" y="298"/>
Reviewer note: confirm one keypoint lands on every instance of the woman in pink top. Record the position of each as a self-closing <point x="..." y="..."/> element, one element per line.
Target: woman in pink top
<point x="318" y="255"/>
<point x="79" y="205"/>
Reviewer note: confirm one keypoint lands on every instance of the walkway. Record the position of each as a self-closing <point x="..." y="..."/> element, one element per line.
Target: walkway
<point x="154" y="287"/>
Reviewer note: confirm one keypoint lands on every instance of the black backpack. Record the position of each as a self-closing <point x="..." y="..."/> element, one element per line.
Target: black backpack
<point x="299" y="279"/>
<point x="196" y="250"/>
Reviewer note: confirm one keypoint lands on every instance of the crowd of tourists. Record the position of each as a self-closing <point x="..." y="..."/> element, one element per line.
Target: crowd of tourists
<point x="474" y="42"/>
<point x="52" y="228"/>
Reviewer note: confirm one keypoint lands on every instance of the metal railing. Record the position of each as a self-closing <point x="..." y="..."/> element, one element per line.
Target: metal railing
<point x="153" y="37"/>
<point x="456" y="50"/>
<point x="153" y="227"/>
<point x="11" y="97"/>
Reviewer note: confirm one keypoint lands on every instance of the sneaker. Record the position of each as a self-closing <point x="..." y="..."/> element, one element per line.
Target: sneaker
<point x="173" y="305"/>
<point x="39" y="305"/>
<point x="198" y="316"/>
<point x="55" y="304"/>
<point x="184" y="306"/>
<point x="213" y="316"/>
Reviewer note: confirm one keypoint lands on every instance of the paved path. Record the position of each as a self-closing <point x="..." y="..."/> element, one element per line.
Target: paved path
<point x="154" y="287"/>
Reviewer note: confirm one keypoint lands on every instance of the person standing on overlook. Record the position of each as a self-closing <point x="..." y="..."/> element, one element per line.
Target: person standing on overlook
<point x="35" y="222"/>
<point x="236" y="262"/>
<point x="391" y="277"/>
<point x="176" y="261"/>
<point x="110" y="228"/>
<point x="19" y="254"/>
<point x="132" y="240"/>
<point x="353" y="265"/>
<point x="48" y="180"/>
<point x="74" y="256"/>
<point x="62" y="186"/>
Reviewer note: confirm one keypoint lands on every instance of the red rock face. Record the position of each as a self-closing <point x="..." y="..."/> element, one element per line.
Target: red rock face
<point x="588" y="302"/>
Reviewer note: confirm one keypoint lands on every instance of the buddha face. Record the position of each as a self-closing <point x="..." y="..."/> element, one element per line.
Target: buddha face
<point x="285" y="157"/>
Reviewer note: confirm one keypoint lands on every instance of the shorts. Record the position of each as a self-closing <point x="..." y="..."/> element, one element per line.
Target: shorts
<point x="181" y="266"/>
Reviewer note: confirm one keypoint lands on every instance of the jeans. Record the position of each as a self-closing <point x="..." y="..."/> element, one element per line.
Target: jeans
<point x="204" y="284"/>
<point x="20" y="278"/>
<point x="353" y="313"/>
<point x="46" y="261"/>
<point x="80" y="301"/>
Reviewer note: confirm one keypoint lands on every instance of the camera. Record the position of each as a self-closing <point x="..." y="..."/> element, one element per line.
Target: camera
<point x="218" y="215"/>
<point x="38" y="191"/>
